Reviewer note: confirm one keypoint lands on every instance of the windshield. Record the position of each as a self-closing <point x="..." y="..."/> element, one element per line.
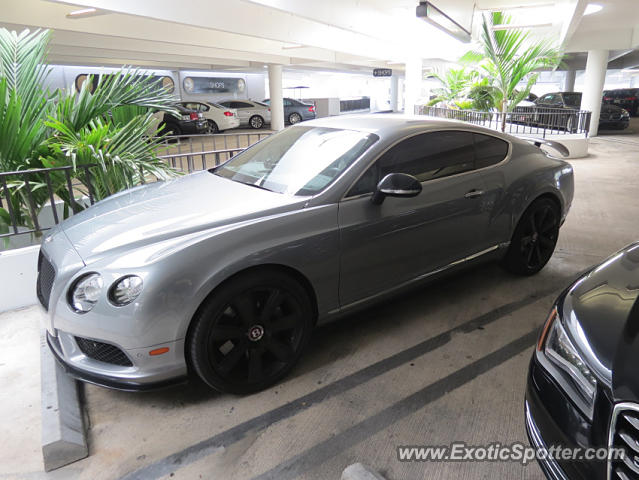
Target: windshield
<point x="298" y="160"/>
<point x="572" y="99"/>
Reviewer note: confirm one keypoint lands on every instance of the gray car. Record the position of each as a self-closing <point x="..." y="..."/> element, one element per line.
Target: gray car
<point x="226" y="272"/>
<point x="296" y="111"/>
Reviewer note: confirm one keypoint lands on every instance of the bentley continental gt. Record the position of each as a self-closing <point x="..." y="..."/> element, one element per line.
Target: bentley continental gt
<point x="224" y="273"/>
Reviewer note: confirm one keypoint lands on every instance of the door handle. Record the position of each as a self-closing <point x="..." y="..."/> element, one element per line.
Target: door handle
<point x="474" y="194"/>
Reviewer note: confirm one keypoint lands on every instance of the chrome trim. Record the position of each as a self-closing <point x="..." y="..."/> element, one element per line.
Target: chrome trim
<point x="550" y="464"/>
<point x="474" y="194"/>
<point x="391" y="191"/>
<point x="462" y="128"/>
<point x="417" y="279"/>
<point x="618" y="410"/>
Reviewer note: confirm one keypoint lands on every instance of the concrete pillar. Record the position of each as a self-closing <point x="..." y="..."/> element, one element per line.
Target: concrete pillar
<point x="594" y="79"/>
<point x="412" y="84"/>
<point x="394" y="84"/>
<point x="275" y="94"/>
<point x="569" y="80"/>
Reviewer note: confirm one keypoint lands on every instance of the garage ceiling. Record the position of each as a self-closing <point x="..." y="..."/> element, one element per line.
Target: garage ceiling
<point x="348" y="35"/>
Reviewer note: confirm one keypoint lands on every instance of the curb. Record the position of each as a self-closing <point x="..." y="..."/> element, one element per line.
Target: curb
<point x="64" y="437"/>
<point x="359" y="471"/>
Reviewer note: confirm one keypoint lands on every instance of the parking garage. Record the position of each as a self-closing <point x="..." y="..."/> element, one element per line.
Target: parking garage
<point x="460" y="355"/>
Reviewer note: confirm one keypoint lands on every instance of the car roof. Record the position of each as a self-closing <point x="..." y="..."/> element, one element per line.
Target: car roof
<point x="388" y="124"/>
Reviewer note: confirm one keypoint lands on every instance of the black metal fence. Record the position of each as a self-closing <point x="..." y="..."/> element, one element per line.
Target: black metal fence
<point x="521" y="121"/>
<point x="33" y="201"/>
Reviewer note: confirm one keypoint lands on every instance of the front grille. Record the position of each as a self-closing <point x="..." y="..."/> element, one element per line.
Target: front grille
<point x="46" y="276"/>
<point x="624" y="434"/>
<point x="103" y="352"/>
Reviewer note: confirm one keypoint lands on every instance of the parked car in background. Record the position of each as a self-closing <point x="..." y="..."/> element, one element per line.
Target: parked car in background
<point x="583" y="387"/>
<point x="251" y="113"/>
<point x="189" y="122"/>
<point x="226" y="272"/>
<point x="626" y="98"/>
<point x="296" y="111"/>
<point x="546" y="105"/>
<point x="218" y="117"/>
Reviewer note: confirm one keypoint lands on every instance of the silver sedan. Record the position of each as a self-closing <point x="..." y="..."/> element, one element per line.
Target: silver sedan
<point x="250" y="113"/>
<point x="225" y="273"/>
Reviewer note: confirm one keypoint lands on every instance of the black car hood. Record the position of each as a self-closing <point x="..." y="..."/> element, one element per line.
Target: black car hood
<point x="601" y="311"/>
<point x="608" y="108"/>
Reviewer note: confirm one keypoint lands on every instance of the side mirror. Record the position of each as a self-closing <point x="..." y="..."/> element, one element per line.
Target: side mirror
<point x="396" y="185"/>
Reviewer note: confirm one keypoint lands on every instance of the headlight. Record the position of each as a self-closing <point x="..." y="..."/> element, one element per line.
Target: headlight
<point x="125" y="290"/>
<point x="85" y="292"/>
<point x="575" y="376"/>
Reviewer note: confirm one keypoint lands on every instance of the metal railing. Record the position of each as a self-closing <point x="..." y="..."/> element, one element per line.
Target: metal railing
<point x="36" y="200"/>
<point x="536" y="121"/>
<point x="178" y="144"/>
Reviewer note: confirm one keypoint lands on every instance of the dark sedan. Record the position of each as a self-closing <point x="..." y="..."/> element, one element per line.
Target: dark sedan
<point x="611" y="116"/>
<point x="296" y="111"/>
<point x="626" y="98"/>
<point x="583" y="387"/>
<point x="187" y="123"/>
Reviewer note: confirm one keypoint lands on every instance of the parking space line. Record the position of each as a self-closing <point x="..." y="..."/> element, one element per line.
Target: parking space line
<point x="201" y="449"/>
<point x="324" y="451"/>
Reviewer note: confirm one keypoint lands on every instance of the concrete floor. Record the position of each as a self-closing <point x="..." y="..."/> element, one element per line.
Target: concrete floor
<point x="445" y="363"/>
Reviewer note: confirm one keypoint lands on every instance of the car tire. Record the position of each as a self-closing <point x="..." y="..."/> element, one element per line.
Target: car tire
<point x="250" y="332"/>
<point x="294" y="118"/>
<point x="534" y="239"/>
<point x="212" y="127"/>
<point x="256" y="122"/>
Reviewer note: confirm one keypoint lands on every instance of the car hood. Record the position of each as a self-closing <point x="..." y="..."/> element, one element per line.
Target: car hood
<point x="164" y="210"/>
<point x="601" y="311"/>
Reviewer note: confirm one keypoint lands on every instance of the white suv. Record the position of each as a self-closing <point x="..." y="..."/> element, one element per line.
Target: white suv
<point x="218" y="117"/>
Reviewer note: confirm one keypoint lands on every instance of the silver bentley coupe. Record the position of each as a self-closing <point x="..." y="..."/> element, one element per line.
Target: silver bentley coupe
<point x="224" y="273"/>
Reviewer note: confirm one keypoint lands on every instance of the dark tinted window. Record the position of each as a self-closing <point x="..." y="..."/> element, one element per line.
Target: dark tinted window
<point x="365" y="184"/>
<point x="572" y="99"/>
<point x="489" y="150"/>
<point x="430" y="155"/>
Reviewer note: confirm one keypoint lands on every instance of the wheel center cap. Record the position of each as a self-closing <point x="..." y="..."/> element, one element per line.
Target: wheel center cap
<point x="255" y="333"/>
<point x="535" y="237"/>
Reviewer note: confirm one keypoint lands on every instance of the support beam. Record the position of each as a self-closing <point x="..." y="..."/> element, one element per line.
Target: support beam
<point x="569" y="80"/>
<point x="275" y="91"/>
<point x="394" y="83"/>
<point x="593" y="88"/>
<point x="412" y="84"/>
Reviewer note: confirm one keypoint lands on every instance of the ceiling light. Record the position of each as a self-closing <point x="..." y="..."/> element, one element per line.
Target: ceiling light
<point x="592" y="8"/>
<point x="433" y="15"/>
<point x="85" y="12"/>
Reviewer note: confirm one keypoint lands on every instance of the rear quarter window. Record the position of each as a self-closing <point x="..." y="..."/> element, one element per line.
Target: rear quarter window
<point x="489" y="150"/>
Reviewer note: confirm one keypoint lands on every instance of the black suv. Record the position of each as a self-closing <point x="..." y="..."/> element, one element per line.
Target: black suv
<point x="611" y="116"/>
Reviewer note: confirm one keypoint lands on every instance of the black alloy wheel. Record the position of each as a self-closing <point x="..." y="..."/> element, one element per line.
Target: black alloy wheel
<point x="534" y="239"/>
<point x="250" y="333"/>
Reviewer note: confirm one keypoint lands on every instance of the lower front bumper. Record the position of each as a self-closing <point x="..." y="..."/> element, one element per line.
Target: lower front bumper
<point x="131" y="384"/>
<point x="549" y="466"/>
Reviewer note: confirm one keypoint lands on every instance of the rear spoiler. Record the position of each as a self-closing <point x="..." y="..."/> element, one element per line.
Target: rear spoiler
<point x="556" y="146"/>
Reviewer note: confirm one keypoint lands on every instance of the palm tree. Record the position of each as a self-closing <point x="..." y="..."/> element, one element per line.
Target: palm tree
<point x="509" y="56"/>
<point x="41" y="129"/>
<point x="456" y="83"/>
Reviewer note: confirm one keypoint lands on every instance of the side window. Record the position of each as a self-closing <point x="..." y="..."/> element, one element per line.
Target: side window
<point x="235" y="105"/>
<point x="226" y="104"/>
<point x="430" y="155"/>
<point x="489" y="150"/>
<point x="202" y="107"/>
<point x="365" y="184"/>
<point x="243" y="105"/>
<point x="288" y="103"/>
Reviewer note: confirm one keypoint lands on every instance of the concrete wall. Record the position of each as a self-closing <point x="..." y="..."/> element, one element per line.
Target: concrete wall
<point x="18" y="272"/>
